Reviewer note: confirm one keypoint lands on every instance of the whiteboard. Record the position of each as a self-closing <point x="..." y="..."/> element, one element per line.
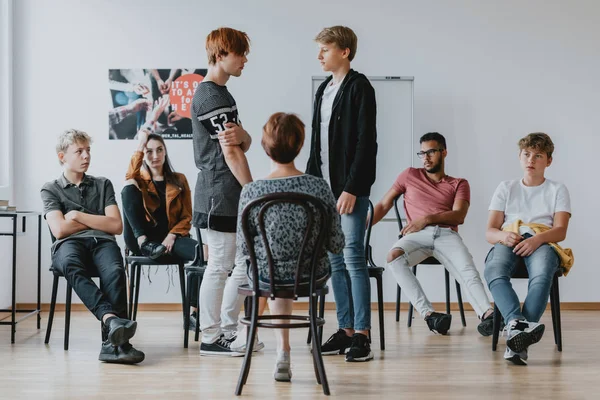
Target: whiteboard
<point x="395" y="110"/>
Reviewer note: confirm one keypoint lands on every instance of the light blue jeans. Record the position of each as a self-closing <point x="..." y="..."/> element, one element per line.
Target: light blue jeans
<point x="541" y="266"/>
<point x="349" y="274"/>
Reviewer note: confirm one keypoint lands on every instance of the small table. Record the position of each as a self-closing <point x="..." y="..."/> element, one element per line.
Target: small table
<point x="15" y="215"/>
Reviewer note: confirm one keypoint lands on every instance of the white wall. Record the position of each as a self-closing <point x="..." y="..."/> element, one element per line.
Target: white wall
<point x="486" y="74"/>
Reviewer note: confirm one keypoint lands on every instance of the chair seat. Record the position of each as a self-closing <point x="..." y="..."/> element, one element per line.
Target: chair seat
<point x="285" y="292"/>
<point x="374" y="271"/>
<point x="162" y="260"/>
<point x="430" y="261"/>
<point x="195" y="270"/>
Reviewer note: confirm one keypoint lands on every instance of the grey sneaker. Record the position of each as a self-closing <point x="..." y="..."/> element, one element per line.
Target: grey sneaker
<point x="516" y="358"/>
<point x="238" y="344"/>
<point x="522" y="334"/>
<point x="123" y="354"/>
<point x="283" y="369"/>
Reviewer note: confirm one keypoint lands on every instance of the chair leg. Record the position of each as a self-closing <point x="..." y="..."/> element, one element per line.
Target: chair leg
<point x="553" y="311"/>
<point x="461" y="306"/>
<point x="186" y="318"/>
<point x="410" y="306"/>
<point x="52" y="308"/>
<point x="138" y="276"/>
<point x="557" y="313"/>
<point x="315" y="366"/>
<point x="197" y="333"/>
<point x="182" y="285"/>
<point x="496" y="330"/>
<point x="316" y="350"/>
<point x="398" y="293"/>
<point x="68" y="315"/>
<point x="249" y="348"/>
<point x="321" y="315"/>
<point x="447" y="276"/>
<point x="380" y="309"/>
<point x="131" y="288"/>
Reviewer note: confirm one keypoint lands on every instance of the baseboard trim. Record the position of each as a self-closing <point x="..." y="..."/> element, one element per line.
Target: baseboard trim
<point x="570" y="306"/>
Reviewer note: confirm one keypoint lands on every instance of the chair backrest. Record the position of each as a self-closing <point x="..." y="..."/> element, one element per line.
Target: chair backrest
<point x="398" y="216"/>
<point x="264" y="203"/>
<point x="199" y="260"/>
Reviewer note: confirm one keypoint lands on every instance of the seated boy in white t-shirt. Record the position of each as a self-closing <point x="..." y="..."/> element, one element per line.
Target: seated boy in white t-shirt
<point x="527" y="218"/>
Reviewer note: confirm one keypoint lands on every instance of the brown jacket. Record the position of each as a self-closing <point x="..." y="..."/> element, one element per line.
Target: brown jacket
<point x="179" y="200"/>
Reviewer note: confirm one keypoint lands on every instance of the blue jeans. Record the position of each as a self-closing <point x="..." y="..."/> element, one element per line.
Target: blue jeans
<point x="349" y="274"/>
<point x="541" y="266"/>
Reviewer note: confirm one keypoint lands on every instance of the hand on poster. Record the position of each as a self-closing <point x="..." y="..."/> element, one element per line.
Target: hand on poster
<point x="139" y="105"/>
<point x="233" y="135"/>
<point x="140" y="89"/>
<point x="164" y="86"/>
<point x="143" y="138"/>
<point x="173" y="117"/>
<point x="159" y="108"/>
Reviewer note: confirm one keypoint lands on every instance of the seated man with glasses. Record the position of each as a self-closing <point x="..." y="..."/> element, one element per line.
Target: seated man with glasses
<point x="435" y="205"/>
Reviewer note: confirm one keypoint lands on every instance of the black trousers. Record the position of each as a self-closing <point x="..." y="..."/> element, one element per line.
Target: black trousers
<point x="136" y="225"/>
<point x="78" y="258"/>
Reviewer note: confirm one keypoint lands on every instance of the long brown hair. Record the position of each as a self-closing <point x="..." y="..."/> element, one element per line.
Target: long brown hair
<point x="168" y="171"/>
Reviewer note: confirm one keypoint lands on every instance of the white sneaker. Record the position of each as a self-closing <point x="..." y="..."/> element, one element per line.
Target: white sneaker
<point x="238" y="344"/>
<point x="283" y="369"/>
<point x="522" y="334"/>
<point x="516" y="358"/>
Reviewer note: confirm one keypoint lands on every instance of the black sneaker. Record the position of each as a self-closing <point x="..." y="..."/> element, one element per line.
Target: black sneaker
<point x="522" y="334"/>
<point x="486" y="326"/>
<point x="120" y="330"/>
<point x="152" y="250"/>
<point x="360" y="349"/>
<point x="221" y="347"/>
<point x="336" y="344"/>
<point x="124" y="354"/>
<point x="438" y="322"/>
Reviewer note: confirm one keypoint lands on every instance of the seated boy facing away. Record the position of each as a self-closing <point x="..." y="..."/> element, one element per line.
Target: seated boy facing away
<point x="83" y="216"/>
<point x="527" y="218"/>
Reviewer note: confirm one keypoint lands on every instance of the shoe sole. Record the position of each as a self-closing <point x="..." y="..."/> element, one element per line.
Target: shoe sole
<point x="242" y="351"/>
<point x="523" y="340"/>
<point x="368" y="357"/>
<point x="122" y="333"/>
<point x="334" y="352"/>
<point x="516" y="360"/>
<point x="117" y="361"/>
<point x="282" y="377"/>
<point x="217" y="353"/>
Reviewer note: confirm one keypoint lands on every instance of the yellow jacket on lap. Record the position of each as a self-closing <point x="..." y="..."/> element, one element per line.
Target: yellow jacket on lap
<point x="566" y="255"/>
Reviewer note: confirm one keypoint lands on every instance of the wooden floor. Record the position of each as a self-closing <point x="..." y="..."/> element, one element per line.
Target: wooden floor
<point x="416" y="364"/>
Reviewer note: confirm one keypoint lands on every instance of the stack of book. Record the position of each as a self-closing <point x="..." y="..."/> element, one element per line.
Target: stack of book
<point x="5" y="207"/>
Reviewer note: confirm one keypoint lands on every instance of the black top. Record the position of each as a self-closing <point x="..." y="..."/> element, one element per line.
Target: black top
<point x="92" y="196"/>
<point x="217" y="191"/>
<point x="352" y="136"/>
<point x="160" y="214"/>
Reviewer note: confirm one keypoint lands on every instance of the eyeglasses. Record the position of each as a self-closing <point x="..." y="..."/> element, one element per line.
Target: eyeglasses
<point x="428" y="153"/>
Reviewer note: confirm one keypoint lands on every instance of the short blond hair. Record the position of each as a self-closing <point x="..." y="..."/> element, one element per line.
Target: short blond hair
<point x="342" y="36"/>
<point x="69" y="137"/>
<point x="537" y="141"/>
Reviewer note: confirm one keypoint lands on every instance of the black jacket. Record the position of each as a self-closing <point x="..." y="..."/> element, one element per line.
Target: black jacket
<point x="352" y="136"/>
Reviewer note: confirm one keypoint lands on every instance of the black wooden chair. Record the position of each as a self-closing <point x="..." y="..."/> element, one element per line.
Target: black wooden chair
<point x="376" y="273"/>
<point x="195" y="270"/>
<point x="428" y="261"/>
<point x="521" y="273"/>
<point x="69" y="292"/>
<point x="299" y="289"/>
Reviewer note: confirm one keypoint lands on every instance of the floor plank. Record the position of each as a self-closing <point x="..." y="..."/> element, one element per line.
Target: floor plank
<point x="416" y="364"/>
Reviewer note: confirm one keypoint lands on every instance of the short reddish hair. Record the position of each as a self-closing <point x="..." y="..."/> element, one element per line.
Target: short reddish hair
<point x="283" y="137"/>
<point x="223" y="41"/>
